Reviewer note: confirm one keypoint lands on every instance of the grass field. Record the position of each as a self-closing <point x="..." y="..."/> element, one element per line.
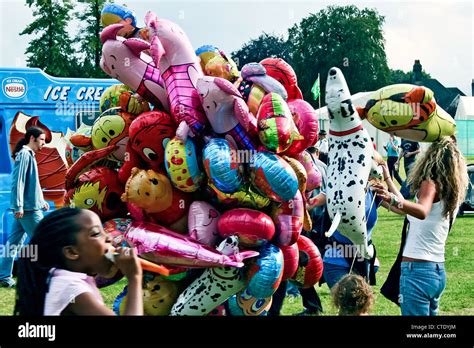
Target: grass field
<point x="458" y="298"/>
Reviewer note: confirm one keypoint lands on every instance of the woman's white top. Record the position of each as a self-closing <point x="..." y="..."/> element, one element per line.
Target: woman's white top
<point x="426" y="238"/>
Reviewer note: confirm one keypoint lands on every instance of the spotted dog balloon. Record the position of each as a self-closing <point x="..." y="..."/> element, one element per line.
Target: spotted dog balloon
<point x="349" y="164"/>
<point x="213" y="287"/>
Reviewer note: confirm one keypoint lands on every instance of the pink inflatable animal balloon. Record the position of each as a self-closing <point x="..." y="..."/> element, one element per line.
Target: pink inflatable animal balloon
<point x="180" y="69"/>
<point x="227" y="112"/>
<point x="124" y="60"/>
<point x="160" y="245"/>
<point x="306" y="121"/>
<point x="202" y="223"/>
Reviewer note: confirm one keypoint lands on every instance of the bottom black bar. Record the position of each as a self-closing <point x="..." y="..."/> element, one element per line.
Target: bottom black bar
<point x="224" y="331"/>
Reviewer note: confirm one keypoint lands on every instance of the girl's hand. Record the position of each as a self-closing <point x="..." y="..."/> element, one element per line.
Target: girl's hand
<point x="127" y="262"/>
<point x="386" y="172"/>
<point x="382" y="192"/>
<point x="384" y="166"/>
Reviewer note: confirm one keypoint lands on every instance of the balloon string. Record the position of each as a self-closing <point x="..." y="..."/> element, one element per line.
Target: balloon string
<point x="370" y="209"/>
<point x="373" y="201"/>
<point x="353" y="261"/>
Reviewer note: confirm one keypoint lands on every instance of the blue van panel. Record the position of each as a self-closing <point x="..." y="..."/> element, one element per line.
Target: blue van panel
<point x="61" y="103"/>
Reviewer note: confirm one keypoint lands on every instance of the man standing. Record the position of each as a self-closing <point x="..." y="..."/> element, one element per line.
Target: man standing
<point x="409" y="151"/>
<point x="392" y="158"/>
<point x="26" y="199"/>
<point x="323" y="146"/>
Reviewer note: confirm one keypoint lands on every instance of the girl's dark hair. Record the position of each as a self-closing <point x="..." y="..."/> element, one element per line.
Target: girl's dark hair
<point x="31" y="131"/>
<point x="57" y="230"/>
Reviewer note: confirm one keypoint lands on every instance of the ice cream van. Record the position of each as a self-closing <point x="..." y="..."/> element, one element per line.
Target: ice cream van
<point x="31" y="97"/>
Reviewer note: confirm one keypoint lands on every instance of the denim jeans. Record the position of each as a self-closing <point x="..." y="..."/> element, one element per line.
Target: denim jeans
<point x="421" y="286"/>
<point x="21" y="229"/>
<point x="333" y="273"/>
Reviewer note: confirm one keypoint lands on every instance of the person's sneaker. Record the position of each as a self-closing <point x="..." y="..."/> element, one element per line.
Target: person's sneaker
<point x="307" y="312"/>
<point x="7" y="283"/>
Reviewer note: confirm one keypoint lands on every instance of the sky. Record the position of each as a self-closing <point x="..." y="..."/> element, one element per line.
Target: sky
<point x="438" y="33"/>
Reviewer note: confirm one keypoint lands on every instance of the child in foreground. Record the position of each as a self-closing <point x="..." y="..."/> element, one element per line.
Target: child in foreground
<point x="71" y="251"/>
<point x="353" y="296"/>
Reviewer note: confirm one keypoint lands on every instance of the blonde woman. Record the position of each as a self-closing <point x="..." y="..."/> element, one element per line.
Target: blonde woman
<point x="439" y="180"/>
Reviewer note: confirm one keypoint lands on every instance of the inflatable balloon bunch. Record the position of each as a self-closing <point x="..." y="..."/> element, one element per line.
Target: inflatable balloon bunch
<point x="203" y="169"/>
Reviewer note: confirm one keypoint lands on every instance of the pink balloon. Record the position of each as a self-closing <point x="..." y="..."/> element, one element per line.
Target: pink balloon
<point x="140" y="74"/>
<point x="202" y="223"/>
<point x="306" y="121"/>
<point x="227" y="111"/>
<point x="314" y="179"/>
<point x="162" y="246"/>
<point x="180" y="69"/>
<point x="288" y="218"/>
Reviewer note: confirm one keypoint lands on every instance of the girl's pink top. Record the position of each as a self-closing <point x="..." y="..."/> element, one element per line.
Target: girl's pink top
<point x="64" y="287"/>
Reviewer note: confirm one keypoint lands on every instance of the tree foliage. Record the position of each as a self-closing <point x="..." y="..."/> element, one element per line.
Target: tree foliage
<point x="266" y="45"/>
<point x="342" y="36"/>
<point x="399" y="76"/>
<point x="89" y="38"/>
<point x="51" y="48"/>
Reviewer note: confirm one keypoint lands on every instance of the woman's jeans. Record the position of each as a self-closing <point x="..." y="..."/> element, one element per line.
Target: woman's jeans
<point x="421" y="286"/>
<point x="22" y="228"/>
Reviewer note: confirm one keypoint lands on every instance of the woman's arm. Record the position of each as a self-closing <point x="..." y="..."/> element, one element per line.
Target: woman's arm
<point x="392" y="208"/>
<point x="410" y="154"/>
<point x="426" y="196"/>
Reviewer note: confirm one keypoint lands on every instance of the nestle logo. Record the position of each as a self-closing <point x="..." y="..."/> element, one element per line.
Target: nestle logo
<point x="14" y="87"/>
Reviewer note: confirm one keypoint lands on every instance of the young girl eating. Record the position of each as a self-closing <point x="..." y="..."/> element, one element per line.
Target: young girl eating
<point x="71" y="251"/>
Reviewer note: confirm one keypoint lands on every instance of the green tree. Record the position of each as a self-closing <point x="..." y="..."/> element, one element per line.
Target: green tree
<point x="342" y="36"/>
<point x="266" y="45"/>
<point x="51" y="49"/>
<point x="399" y="76"/>
<point x="89" y="38"/>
